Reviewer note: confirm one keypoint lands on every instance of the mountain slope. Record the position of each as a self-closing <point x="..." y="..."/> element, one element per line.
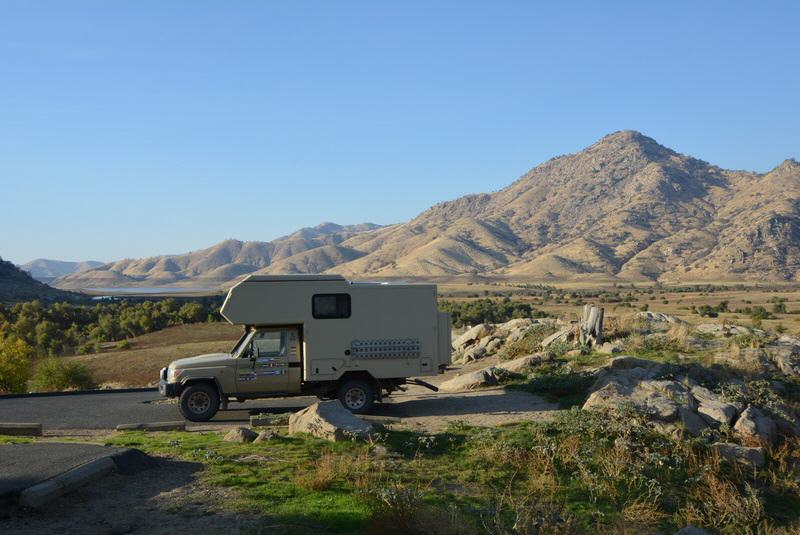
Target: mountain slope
<point x="45" y="270"/>
<point x="623" y="208"/>
<point x="17" y="285"/>
<point x="226" y="261"/>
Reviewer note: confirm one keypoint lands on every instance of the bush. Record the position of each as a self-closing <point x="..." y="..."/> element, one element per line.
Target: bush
<point x="123" y="344"/>
<point x="53" y="375"/>
<point x="15" y="365"/>
<point x="531" y="342"/>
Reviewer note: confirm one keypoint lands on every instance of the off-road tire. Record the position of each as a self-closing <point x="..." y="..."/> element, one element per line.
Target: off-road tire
<point x="356" y="395"/>
<point x="199" y="402"/>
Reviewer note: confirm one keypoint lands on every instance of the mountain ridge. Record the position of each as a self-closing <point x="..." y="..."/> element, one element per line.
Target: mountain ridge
<point x="624" y="208"/>
<point x="47" y="270"/>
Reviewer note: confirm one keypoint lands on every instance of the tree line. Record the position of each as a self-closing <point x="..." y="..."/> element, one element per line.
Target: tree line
<point x="52" y="329"/>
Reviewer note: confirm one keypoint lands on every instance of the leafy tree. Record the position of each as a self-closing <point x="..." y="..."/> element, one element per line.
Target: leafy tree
<point x="15" y="363"/>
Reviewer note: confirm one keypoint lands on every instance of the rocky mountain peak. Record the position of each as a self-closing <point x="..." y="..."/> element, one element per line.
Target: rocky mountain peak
<point x="631" y="141"/>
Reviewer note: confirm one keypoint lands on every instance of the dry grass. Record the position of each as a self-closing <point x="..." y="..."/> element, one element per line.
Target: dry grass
<point x="139" y="366"/>
<point x="720" y="505"/>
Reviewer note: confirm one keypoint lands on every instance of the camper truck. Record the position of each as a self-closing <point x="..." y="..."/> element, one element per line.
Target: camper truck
<point x="316" y="335"/>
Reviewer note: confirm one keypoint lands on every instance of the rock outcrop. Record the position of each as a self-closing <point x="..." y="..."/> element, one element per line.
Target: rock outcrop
<point x="331" y="421"/>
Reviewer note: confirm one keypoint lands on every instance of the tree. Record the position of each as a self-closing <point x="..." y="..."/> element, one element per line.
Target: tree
<point x="192" y="313"/>
<point x="15" y="364"/>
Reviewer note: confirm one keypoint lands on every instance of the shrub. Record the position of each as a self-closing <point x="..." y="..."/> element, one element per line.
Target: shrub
<point x="15" y="365"/>
<point x="558" y="384"/>
<point x="53" y="374"/>
<point x="531" y="342"/>
<point x="123" y="344"/>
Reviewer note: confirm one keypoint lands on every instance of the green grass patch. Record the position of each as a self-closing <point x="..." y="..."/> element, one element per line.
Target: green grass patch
<point x="583" y="472"/>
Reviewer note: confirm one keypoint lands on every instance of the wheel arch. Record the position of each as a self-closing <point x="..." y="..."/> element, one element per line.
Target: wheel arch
<point x="213" y="381"/>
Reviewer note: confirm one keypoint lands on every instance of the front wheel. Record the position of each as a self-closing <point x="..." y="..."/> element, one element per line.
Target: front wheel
<point x="356" y="396"/>
<point x="199" y="402"/>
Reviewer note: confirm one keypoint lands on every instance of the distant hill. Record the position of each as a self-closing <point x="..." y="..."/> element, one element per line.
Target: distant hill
<point x="45" y="270"/>
<point x="17" y="285"/>
<point x="313" y="249"/>
<point x="625" y="208"/>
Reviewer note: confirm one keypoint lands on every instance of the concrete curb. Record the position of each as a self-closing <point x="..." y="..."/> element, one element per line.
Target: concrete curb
<point x="38" y="495"/>
<point x="78" y="393"/>
<point x="21" y="429"/>
<point x="153" y="426"/>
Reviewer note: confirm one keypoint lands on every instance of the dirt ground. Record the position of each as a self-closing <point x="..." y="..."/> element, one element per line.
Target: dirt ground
<point x="165" y="500"/>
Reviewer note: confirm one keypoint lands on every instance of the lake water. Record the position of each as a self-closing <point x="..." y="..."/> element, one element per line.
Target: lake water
<point x="160" y="291"/>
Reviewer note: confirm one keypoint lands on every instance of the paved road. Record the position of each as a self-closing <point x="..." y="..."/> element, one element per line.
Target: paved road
<point x="417" y="407"/>
<point x="24" y="465"/>
<point x="106" y="411"/>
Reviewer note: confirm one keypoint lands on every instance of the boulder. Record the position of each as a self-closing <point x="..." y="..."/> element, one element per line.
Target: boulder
<point x="517" y="334"/>
<point x="240" y="434"/>
<point x="753" y="423"/>
<point x="483" y="342"/>
<point x="573" y="353"/>
<point x="717" y="412"/>
<point x="512" y="325"/>
<point x="658" y="317"/>
<point x="713" y="410"/>
<point x="472" y="335"/>
<point x="493" y="346"/>
<point x="470" y="381"/>
<point x="740" y="454"/>
<point x="520" y="364"/>
<point x="651" y="397"/>
<point x="564" y="335"/>
<point x="473" y="353"/>
<point x="715" y="329"/>
<point x="693" y="425"/>
<point x="610" y="348"/>
<point x="329" y="420"/>
<point x="266" y="436"/>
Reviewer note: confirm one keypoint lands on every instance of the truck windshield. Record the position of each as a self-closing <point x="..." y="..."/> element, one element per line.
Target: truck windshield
<point x="238" y="345"/>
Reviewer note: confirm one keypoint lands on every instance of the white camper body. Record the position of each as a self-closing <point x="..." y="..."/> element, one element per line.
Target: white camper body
<point x="390" y="330"/>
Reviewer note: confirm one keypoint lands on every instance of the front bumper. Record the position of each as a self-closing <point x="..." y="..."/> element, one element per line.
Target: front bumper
<point x="170" y="390"/>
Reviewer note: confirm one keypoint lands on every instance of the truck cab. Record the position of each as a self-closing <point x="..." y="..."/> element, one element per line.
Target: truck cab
<point x="316" y="335"/>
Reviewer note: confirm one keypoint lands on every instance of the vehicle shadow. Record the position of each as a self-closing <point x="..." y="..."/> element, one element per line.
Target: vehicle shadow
<point x="485" y="403"/>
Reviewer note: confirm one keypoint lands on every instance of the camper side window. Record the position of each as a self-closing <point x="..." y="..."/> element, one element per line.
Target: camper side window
<point x="330" y="306"/>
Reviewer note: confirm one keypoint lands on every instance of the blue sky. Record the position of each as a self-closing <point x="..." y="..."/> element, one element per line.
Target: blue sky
<point x="137" y="128"/>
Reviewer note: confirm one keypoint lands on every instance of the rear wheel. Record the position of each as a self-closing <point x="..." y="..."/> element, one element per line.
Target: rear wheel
<point x="356" y="395"/>
<point x="199" y="402"/>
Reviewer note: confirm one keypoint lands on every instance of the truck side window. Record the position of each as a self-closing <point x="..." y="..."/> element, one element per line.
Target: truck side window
<point x="330" y="306"/>
<point x="270" y="344"/>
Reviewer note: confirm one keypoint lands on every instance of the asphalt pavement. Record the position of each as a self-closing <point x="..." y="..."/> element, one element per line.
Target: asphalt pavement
<point x="24" y="465"/>
<point x="107" y="410"/>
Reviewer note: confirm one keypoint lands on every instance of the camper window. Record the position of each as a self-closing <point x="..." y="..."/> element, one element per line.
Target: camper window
<point x="330" y="306"/>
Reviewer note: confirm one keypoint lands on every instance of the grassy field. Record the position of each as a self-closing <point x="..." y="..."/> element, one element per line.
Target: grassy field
<point x="139" y="365"/>
<point x="582" y="473"/>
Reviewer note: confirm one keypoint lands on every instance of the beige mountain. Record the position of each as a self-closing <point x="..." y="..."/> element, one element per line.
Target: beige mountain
<point x="306" y="250"/>
<point x="625" y="208"/>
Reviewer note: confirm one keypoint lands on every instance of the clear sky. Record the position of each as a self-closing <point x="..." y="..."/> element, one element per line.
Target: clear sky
<point x="137" y="128"/>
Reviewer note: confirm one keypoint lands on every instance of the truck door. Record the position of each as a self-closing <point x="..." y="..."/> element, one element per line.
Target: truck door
<point x="264" y="368"/>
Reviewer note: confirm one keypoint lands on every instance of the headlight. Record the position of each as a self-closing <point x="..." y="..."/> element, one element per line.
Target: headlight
<point x="173" y="374"/>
